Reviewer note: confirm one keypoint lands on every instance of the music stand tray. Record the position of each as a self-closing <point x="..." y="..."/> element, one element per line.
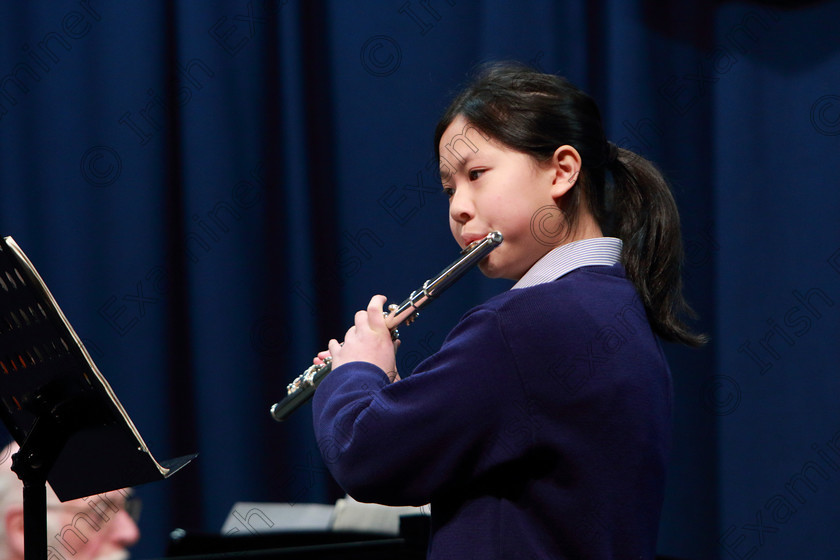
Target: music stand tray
<point x="72" y="429"/>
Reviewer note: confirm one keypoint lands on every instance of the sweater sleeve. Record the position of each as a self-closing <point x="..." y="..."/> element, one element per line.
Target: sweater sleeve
<point x="401" y="443"/>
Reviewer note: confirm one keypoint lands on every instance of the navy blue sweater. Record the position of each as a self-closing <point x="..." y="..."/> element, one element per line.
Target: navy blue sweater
<point x="540" y="429"/>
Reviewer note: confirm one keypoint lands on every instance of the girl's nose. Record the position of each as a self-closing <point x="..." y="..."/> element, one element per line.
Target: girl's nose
<point x="461" y="207"/>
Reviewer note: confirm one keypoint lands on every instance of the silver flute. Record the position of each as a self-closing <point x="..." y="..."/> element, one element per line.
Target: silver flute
<point x="303" y="387"/>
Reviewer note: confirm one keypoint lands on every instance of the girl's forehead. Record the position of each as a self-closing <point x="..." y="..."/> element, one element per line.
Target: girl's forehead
<point x="463" y="139"/>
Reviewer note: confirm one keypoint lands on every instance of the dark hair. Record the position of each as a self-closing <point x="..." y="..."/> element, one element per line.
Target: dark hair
<point x="535" y="113"/>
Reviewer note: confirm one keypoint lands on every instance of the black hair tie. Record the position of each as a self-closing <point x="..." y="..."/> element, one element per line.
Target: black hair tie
<point x="612" y="153"/>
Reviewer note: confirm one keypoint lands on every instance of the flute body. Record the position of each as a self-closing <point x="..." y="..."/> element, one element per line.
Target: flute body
<point x="303" y="387"/>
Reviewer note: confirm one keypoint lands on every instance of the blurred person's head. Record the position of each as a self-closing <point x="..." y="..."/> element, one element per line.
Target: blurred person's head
<point x="97" y="527"/>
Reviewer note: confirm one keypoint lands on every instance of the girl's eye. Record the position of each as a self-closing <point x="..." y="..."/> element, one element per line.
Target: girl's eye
<point x="476" y="173"/>
<point x="449" y="192"/>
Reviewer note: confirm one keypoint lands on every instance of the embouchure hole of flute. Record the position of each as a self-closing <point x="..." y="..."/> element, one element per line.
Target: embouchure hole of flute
<point x="303" y="387"/>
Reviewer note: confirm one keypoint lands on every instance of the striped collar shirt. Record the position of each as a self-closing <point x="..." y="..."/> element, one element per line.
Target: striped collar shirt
<point x="598" y="251"/>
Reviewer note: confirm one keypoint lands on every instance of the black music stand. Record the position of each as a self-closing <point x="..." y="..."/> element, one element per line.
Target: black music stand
<point x="72" y="430"/>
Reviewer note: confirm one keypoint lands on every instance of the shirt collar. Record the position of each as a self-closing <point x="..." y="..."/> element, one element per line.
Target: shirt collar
<point x="598" y="251"/>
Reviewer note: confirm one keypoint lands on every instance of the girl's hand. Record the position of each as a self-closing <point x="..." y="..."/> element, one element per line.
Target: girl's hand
<point x="369" y="340"/>
<point x="319" y="359"/>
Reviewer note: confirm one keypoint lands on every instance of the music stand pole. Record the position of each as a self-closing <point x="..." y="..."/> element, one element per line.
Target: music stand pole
<point x="32" y="468"/>
<point x="34" y="520"/>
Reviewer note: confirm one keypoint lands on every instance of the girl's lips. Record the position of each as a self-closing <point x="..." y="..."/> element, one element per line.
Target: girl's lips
<point x="468" y="239"/>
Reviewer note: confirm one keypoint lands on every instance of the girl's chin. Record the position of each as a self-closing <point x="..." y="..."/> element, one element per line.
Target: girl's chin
<point x="489" y="270"/>
<point x="485" y="268"/>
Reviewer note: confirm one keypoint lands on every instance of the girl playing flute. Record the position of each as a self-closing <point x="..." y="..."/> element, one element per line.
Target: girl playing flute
<point x="541" y="427"/>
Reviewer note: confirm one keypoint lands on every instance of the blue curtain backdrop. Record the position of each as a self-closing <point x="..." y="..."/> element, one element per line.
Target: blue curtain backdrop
<point x="211" y="188"/>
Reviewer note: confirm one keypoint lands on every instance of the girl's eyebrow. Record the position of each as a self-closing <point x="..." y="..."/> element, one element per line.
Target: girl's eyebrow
<point x="447" y="168"/>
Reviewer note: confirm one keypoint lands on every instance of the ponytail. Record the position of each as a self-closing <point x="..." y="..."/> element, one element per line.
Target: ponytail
<point x="646" y="219"/>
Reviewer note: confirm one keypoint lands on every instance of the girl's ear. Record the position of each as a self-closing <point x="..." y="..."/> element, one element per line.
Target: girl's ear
<point x="565" y="166"/>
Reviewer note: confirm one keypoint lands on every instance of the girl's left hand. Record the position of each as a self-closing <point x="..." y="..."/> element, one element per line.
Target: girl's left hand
<point x="369" y="340"/>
